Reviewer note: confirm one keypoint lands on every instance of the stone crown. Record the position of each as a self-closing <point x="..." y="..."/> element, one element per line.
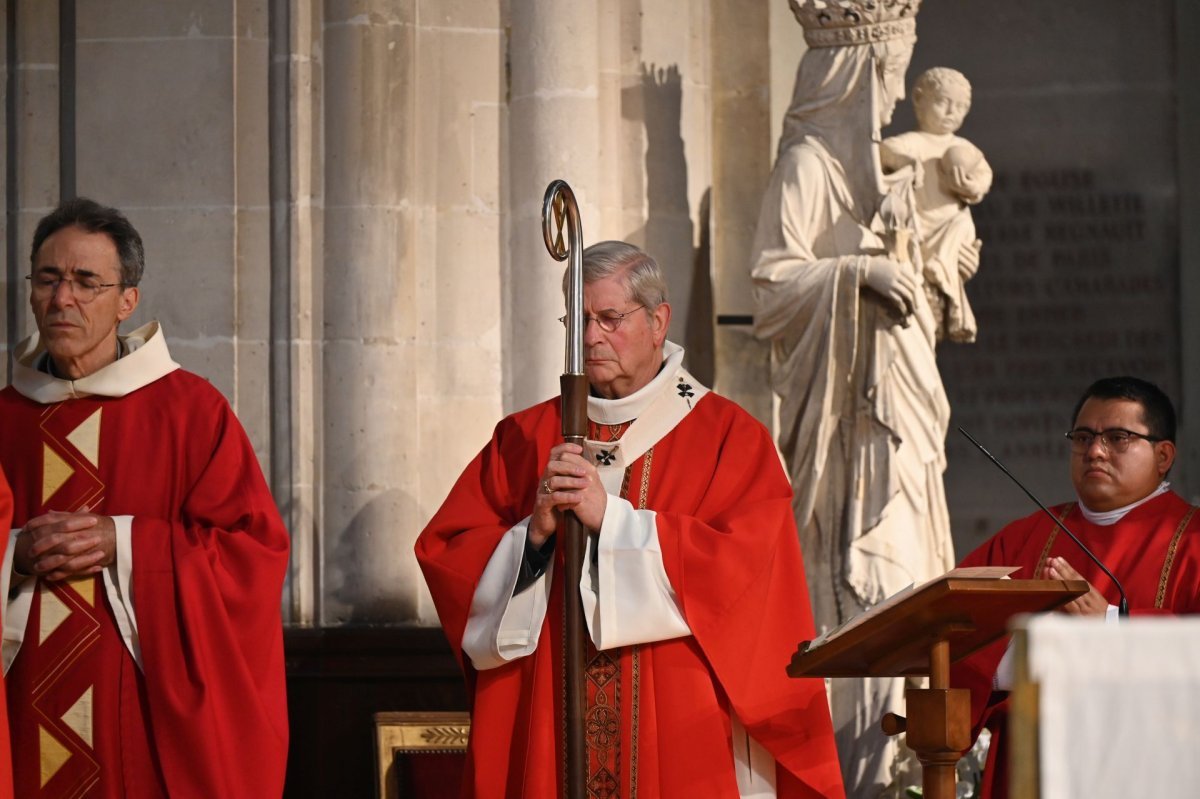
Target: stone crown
<point x="837" y="23"/>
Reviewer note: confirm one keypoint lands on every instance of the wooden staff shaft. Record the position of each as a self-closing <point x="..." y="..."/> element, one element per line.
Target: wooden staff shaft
<point x="574" y="399"/>
<point x="559" y="208"/>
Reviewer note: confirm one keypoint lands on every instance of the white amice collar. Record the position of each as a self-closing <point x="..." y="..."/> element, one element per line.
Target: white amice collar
<point x="619" y="411"/>
<point x="145" y="361"/>
<point x="1110" y="517"/>
<point x="655" y="410"/>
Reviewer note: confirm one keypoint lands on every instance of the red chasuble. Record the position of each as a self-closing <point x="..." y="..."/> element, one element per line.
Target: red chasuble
<point x="1154" y="551"/>
<point x="208" y="717"/>
<point x="5" y="752"/>
<point x="659" y="713"/>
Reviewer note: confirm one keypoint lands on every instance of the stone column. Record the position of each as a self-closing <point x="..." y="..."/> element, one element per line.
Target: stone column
<point x="370" y="431"/>
<point x="668" y="97"/>
<point x="297" y="197"/>
<point x="460" y="245"/>
<point x="553" y="133"/>
<point x="251" y="223"/>
<point x="185" y="158"/>
<point x="413" y="246"/>
<point x="741" y="164"/>
<point x="35" y="139"/>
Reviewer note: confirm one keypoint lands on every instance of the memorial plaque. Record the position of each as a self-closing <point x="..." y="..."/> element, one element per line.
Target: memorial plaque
<point x="1074" y="107"/>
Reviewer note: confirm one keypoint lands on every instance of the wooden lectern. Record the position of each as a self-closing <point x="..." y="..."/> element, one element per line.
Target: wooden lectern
<point x="921" y="632"/>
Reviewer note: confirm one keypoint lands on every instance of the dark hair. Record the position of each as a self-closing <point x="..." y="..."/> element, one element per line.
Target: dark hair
<point x="1157" y="411"/>
<point x="95" y="218"/>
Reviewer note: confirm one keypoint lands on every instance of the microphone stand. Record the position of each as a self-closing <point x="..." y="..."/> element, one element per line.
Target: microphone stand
<point x="1123" y="607"/>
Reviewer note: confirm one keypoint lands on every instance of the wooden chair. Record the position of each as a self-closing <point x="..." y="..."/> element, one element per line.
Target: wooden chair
<point x="420" y="755"/>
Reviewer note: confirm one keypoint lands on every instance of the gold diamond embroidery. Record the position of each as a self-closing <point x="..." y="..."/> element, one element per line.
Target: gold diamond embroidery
<point x="79" y="717"/>
<point x="54" y="612"/>
<point x="55" y="472"/>
<point x="53" y="754"/>
<point x="85" y="587"/>
<point x="86" y="438"/>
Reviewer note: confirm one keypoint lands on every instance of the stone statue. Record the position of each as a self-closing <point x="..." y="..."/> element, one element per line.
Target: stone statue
<point x="949" y="174"/>
<point x="839" y="292"/>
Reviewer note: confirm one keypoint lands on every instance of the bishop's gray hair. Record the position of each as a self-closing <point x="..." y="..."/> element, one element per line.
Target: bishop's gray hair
<point x="638" y="270"/>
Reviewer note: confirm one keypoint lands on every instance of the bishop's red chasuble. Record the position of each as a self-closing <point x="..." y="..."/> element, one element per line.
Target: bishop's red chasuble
<point x="659" y="714"/>
<point x="1154" y="550"/>
<point x="205" y="714"/>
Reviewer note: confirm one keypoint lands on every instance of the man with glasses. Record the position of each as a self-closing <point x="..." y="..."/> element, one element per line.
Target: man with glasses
<point x="1121" y="445"/>
<point x="694" y="589"/>
<point x="142" y="637"/>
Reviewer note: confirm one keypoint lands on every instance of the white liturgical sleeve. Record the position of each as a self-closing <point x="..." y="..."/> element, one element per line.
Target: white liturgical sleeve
<point x="117" y="579"/>
<point x="503" y="627"/>
<point x="627" y="598"/>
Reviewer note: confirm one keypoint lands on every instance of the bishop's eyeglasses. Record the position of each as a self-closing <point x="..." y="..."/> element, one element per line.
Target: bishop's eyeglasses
<point x="83" y="288"/>
<point x="608" y="321"/>
<point x="1114" y="439"/>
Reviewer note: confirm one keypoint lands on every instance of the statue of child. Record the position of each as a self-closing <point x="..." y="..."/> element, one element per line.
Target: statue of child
<point x="950" y="174"/>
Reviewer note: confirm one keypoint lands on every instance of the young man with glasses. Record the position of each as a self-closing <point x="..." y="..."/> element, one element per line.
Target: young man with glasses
<point x="1121" y="447"/>
<point x="694" y="593"/>
<point x="142" y="638"/>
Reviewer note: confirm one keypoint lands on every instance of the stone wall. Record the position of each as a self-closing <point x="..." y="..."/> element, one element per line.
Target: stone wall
<point x="341" y="205"/>
<point x="1077" y="108"/>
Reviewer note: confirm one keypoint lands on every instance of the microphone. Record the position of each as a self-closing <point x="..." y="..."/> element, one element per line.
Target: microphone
<point x="1123" y="607"/>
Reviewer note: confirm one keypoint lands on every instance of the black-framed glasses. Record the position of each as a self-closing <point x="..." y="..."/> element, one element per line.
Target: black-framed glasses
<point x="609" y="321"/>
<point x="1114" y="439"/>
<point x="83" y="288"/>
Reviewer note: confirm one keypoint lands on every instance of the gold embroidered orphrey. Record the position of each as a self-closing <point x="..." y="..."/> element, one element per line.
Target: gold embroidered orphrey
<point x="605" y="683"/>
<point x="69" y="606"/>
<point x="1161" y="595"/>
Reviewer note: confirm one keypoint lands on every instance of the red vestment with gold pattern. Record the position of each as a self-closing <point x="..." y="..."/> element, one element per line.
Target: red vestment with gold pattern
<point x="1154" y="550"/>
<point x="659" y="713"/>
<point x="206" y="716"/>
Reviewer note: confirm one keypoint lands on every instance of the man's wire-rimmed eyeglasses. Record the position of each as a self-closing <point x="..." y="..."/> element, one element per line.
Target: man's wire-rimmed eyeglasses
<point x="608" y="321"/>
<point x="83" y="288"/>
<point x="1114" y="439"/>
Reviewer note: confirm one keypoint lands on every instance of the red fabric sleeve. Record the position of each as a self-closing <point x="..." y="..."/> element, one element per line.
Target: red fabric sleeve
<point x="733" y="558"/>
<point x="736" y="567"/>
<point x="207" y="587"/>
<point x="494" y="492"/>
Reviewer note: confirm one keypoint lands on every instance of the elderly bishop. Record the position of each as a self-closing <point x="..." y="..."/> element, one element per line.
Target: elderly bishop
<point x="693" y="587"/>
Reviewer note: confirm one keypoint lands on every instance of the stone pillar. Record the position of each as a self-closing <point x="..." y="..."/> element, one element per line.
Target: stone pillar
<point x="185" y="158"/>
<point x="670" y="100"/>
<point x="413" y="246"/>
<point x="370" y="431"/>
<point x="297" y="278"/>
<point x="553" y="133"/>
<point x="251" y="243"/>
<point x="741" y="164"/>
<point x="460" y="245"/>
<point x="35" y="166"/>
